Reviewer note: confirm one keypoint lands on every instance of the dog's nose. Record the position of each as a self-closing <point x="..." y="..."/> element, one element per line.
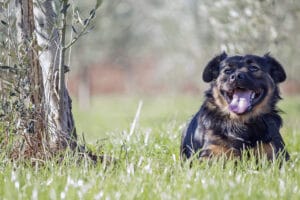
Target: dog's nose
<point x="237" y="76"/>
<point x="240" y="76"/>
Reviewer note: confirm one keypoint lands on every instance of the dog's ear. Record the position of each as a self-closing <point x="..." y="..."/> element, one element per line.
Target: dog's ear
<point x="276" y="70"/>
<point x="211" y="71"/>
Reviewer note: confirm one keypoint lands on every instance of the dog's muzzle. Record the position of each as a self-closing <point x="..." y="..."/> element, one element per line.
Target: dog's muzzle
<point x="241" y="100"/>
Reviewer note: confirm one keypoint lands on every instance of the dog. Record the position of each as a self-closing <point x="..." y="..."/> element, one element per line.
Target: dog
<point x="239" y="113"/>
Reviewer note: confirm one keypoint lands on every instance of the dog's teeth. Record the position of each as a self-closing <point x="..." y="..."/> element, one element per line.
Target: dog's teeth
<point x="252" y="95"/>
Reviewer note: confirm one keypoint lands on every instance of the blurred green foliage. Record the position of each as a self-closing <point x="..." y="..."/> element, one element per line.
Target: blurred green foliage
<point x="181" y="36"/>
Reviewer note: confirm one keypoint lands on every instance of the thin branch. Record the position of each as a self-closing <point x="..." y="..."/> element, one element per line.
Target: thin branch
<point x="82" y="32"/>
<point x="71" y="36"/>
<point x="61" y="83"/>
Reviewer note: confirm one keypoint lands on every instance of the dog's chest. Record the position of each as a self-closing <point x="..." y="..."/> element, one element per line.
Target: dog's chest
<point x="235" y="134"/>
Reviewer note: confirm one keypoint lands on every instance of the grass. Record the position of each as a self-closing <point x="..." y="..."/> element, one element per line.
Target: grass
<point x="148" y="164"/>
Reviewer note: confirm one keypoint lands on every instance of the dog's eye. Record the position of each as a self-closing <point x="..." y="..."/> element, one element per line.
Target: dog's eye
<point x="253" y="68"/>
<point x="228" y="71"/>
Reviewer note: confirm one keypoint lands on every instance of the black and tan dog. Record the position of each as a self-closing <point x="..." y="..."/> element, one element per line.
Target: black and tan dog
<point x="239" y="112"/>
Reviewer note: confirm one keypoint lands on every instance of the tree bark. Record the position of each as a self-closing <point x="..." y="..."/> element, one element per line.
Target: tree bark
<point x="35" y="120"/>
<point x="38" y="21"/>
<point x="61" y="128"/>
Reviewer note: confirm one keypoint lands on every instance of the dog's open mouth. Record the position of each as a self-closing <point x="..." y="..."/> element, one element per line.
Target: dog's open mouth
<point x="241" y="100"/>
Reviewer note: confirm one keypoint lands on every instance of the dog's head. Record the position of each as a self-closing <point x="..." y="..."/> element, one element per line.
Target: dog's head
<point x="244" y="86"/>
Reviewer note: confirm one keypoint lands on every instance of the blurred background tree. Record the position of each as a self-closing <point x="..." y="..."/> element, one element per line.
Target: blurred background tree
<point x="162" y="45"/>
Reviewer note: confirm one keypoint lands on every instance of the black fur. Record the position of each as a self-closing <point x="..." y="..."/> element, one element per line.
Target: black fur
<point x="211" y="71"/>
<point x="212" y="127"/>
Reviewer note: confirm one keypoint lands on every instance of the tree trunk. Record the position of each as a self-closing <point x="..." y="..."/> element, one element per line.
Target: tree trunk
<point x="37" y="19"/>
<point x="34" y="123"/>
<point x="61" y="128"/>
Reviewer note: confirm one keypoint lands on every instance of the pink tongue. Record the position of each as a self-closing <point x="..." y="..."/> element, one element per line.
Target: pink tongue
<point x="240" y="101"/>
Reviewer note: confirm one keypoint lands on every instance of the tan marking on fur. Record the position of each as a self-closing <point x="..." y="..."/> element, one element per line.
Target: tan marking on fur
<point x="264" y="149"/>
<point x="220" y="101"/>
<point x="220" y="146"/>
<point x="263" y="107"/>
<point x="219" y="151"/>
<point x="243" y="69"/>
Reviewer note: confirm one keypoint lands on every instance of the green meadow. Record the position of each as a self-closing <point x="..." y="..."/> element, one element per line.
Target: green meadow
<point x="143" y="135"/>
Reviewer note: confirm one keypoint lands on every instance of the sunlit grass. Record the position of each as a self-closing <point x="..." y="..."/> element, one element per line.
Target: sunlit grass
<point x="115" y="113"/>
<point x="148" y="165"/>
